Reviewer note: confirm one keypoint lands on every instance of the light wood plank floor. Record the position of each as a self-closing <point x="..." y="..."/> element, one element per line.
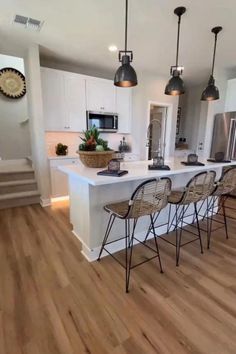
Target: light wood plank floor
<point x="52" y="301"/>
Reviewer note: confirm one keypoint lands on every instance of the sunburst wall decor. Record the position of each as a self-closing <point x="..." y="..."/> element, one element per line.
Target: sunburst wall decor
<point x="12" y="83"/>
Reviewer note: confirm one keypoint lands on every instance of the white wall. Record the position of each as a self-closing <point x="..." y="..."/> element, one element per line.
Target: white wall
<point x="35" y="108"/>
<point x="14" y="137"/>
<point x="72" y="140"/>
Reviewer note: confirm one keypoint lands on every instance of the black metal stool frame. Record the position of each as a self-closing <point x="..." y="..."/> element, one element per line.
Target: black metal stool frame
<point x="129" y="240"/>
<point x="180" y="220"/>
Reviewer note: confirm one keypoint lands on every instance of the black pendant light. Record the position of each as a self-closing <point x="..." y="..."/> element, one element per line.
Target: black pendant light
<point x="211" y="92"/>
<point x="125" y="75"/>
<point x="175" y="86"/>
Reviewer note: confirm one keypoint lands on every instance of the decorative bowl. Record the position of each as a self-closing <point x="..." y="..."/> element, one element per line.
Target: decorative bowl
<point x="95" y="159"/>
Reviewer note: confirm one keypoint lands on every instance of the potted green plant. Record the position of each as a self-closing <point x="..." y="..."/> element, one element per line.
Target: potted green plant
<point x="94" y="151"/>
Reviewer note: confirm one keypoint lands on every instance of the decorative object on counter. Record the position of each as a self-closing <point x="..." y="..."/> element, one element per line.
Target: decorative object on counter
<point x="219" y="157"/>
<point x="12" y="83"/>
<point x="124" y="147"/>
<point x="192" y="160"/>
<point x="175" y="86"/>
<point x="61" y="149"/>
<point x="94" y="151"/>
<point x="159" y="153"/>
<point x="125" y="75"/>
<point x="158" y="161"/>
<point x="113" y="169"/>
<point x="211" y="92"/>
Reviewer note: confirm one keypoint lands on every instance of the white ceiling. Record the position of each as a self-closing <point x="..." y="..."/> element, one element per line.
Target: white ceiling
<point x="80" y="31"/>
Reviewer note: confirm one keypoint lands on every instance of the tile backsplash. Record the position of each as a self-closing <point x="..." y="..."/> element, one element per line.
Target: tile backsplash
<point x="72" y="140"/>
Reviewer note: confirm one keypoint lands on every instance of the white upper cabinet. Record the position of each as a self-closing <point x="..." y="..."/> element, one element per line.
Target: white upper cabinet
<point x="53" y="103"/>
<point x="101" y="95"/>
<point x="67" y="96"/>
<point x="124" y="109"/>
<point x="230" y="99"/>
<point x="64" y="101"/>
<point x="75" y="102"/>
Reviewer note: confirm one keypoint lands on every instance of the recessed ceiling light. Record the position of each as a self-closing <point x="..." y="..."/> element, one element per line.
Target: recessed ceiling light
<point x="112" y="48"/>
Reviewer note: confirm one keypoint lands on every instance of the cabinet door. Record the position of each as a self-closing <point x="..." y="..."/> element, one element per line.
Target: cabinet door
<point x="123" y="108"/>
<point x="100" y="95"/>
<point x="59" y="182"/>
<point x="75" y="102"/>
<point x="230" y="100"/>
<point x="53" y="94"/>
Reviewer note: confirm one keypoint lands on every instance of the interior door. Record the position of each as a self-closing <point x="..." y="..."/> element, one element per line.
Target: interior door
<point x="157" y="131"/>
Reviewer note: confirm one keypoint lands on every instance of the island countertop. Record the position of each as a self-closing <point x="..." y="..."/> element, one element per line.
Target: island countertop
<point x="137" y="170"/>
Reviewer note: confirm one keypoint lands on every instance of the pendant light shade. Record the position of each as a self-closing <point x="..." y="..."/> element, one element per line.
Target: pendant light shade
<point x="175" y="86"/>
<point x="211" y="92"/>
<point x="125" y="75"/>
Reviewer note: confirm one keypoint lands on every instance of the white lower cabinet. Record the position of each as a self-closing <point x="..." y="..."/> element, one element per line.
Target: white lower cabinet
<point x="59" y="180"/>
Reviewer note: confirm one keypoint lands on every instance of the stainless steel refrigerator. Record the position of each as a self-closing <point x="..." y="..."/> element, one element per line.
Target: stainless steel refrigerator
<point x="224" y="135"/>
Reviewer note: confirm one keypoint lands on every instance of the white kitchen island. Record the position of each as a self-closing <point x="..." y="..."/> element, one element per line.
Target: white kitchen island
<point x="90" y="192"/>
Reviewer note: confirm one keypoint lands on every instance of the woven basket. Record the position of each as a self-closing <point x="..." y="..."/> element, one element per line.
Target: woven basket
<point x="95" y="159"/>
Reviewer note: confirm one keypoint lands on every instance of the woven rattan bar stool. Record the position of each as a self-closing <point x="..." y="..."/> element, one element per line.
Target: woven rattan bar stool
<point x="197" y="189"/>
<point x="220" y="194"/>
<point x="148" y="199"/>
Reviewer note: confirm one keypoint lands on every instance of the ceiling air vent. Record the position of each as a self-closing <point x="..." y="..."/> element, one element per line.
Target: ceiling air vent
<point x="28" y="22"/>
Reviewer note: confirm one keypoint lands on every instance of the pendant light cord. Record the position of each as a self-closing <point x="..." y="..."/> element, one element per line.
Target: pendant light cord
<point x="126" y="24"/>
<point x="214" y="55"/>
<point x="177" y="50"/>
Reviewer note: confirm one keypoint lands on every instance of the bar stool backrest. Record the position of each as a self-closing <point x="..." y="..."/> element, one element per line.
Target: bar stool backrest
<point x="199" y="187"/>
<point x="227" y="182"/>
<point x="149" y="197"/>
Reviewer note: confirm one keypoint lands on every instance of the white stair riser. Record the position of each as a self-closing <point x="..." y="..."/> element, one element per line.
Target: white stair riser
<point x="18" y="188"/>
<point x="16" y="176"/>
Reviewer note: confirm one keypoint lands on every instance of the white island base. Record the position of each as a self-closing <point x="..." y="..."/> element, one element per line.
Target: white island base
<point x="90" y="192"/>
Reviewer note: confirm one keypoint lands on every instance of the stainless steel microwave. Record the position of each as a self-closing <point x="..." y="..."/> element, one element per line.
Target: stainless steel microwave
<point x="104" y="122"/>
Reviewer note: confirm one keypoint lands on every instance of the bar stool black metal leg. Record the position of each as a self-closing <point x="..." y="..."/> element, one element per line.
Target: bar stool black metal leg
<point x="176" y="236"/>
<point x="225" y="218"/>
<point x="108" y="230"/>
<point x="179" y="238"/>
<point x="168" y="221"/>
<point x="198" y="226"/>
<point x="127" y="246"/>
<point x="129" y="261"/>
<point x="156" y="243"/>
<point x="212" y="207"/>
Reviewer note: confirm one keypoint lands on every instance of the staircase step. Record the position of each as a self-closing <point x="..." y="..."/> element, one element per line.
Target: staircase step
<point x="10" y="200"/>
<point x="18" y="186"/>
<point x="7" y="176"/>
